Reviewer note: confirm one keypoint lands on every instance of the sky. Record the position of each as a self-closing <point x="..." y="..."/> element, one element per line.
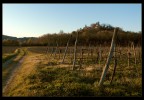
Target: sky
<point x="34" y="20"/>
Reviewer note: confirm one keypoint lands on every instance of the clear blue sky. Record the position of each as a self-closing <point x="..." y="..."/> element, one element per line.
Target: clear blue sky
<point x="24" y="20"/>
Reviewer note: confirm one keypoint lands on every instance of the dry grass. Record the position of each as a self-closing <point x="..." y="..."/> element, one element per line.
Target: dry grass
<point x="40" y="75"/>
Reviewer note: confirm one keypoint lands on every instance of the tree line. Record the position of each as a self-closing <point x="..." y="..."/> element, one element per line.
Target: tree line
<point x="95" y="34"/>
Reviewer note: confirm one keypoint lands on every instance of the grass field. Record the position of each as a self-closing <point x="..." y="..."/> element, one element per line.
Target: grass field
<point x="41" y="73"/>
<point x="8" y="49"/>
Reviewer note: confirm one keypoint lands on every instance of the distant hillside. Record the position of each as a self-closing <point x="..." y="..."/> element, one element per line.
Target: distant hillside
<point x="8" y="37"/>
<point x="5" y="37"/>
<point x="95" y="34"/>
<point x="14" y="41"/>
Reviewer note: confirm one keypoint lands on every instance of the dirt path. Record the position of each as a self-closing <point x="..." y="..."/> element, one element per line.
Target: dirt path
<point x="22" y="68"/>
<point x="14" y="67"/>
<point x="12" y="75"/>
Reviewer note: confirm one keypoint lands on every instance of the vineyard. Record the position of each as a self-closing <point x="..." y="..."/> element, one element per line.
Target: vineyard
<point x="78" y="71"/>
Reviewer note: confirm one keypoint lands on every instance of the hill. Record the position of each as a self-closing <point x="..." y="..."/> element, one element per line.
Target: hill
<point x="14" y="41"/>
<point x="8" y="37"/>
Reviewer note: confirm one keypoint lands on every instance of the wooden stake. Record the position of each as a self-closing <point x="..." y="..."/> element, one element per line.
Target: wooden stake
<point x="82" y="52"/>
<point x="59" y="52"/>
<point x="52" y="51"/>
<point x="75" y="50"/>
<point x="109" y="58"/>
<point x="128" y="55"/>
<point x="55" y="50"/>
<point x="88" y="49"/>
<point x="47" y="50"/>
<point x="100" y="55"/>
<point x="115" y="64"/>
<point x="66" y="49"/>
<point x="134" y="54"/>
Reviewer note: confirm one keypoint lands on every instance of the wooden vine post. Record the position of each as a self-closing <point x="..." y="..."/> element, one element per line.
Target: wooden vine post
<point x="100" y="55"/>
<point x="128" y="57"/>
<point x="88" y="50"/>
<point x="52" y="51"/>
<point x="66" y="49"/>
<point x="71" y="55"/>
<point x="91" y="52"/>
<point x="56" y="50"/>
<point x="47" y="50"/>
<point x="134" y="50"/>
<point x="75" y="50"/>
<point x="115" y="63"/>
<point x="60" y="53"/>
<point x="82" y="55"/>
<point x="108" y="59"/>
<point x="120" y="52"/>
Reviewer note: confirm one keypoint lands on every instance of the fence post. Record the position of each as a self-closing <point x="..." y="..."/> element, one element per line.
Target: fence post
<point x="108" y="59"/>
